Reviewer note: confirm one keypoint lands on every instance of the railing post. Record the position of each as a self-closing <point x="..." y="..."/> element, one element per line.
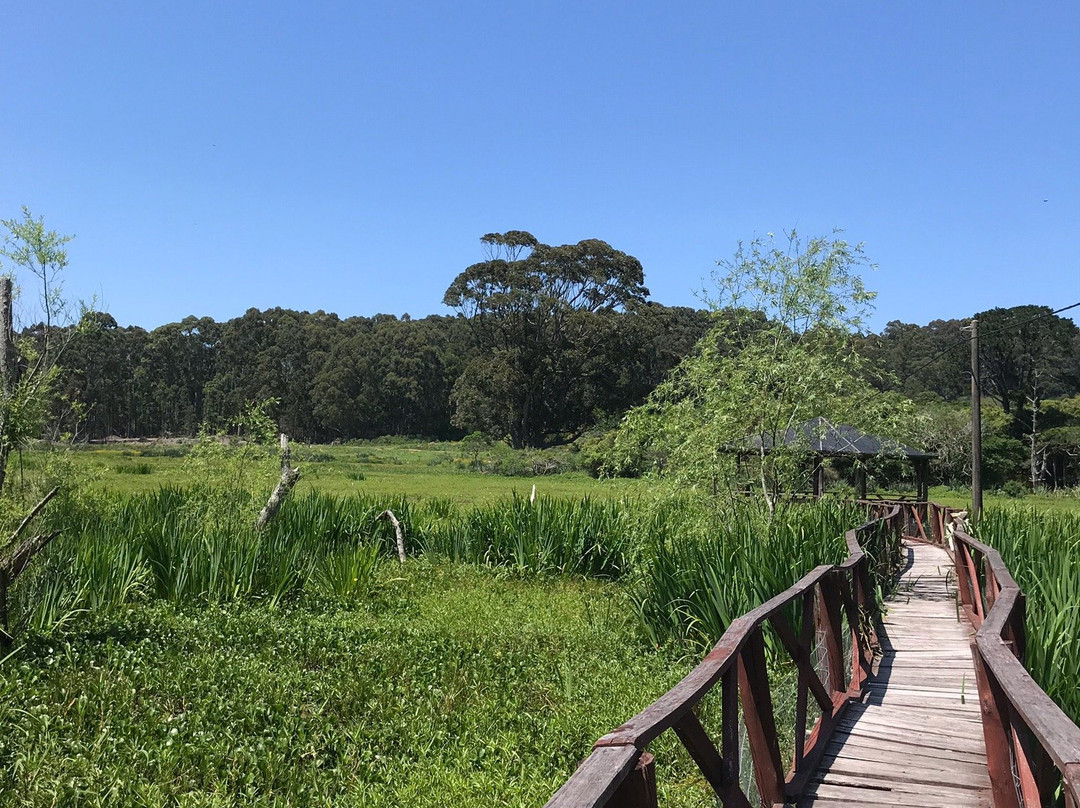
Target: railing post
<point x="992" y="587"/>
<point x="996" y="733"/>
<point x="729" y="728"/>
<point x="806" y="636"/>
<point x="829" y="624"/>
<point x="638" y="790"/>
<point x="1015" y="629"/>
<point x="862" y="657"/>
<point x="760" y="721"/>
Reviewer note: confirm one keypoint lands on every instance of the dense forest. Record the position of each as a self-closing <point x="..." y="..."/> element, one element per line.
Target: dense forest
<point x="362" y="377"/>
<point x="332" y="378"/>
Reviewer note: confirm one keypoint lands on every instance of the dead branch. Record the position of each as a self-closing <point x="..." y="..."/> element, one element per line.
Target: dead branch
<point x="17" y="561"/>
<point x="14" y="537"/>
<point x="289" y="478"/>
<point x="388" y="514"/>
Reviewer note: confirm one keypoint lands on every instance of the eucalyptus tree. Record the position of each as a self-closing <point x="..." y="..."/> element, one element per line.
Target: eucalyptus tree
<point x="539" y="315"/>
<point x="1028" y="353"/>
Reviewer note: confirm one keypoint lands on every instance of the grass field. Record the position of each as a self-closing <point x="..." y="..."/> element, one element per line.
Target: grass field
<point x="416" y="468"/>
<point x="400" y="468"/>
<point x="991" y="499"/>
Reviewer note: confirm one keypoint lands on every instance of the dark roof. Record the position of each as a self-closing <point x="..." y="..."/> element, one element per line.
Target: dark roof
<point x="822" y="437"/>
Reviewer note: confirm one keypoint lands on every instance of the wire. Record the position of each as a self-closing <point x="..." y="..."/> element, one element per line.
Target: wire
<point x="993" y="332"/>
<point x="1022" y="323"/>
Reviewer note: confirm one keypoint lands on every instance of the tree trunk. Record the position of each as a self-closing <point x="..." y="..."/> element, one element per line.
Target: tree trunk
<point x="289" y="477"/>
<point x="398" y="531"/>
<point x="9" y="372"/>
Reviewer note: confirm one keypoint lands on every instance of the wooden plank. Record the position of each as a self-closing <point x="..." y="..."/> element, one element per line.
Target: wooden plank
<point x="940" y="747"/>
<point x="907" y="770"/>
<point x="916" y="738"/>
<point x="854" y="794"/>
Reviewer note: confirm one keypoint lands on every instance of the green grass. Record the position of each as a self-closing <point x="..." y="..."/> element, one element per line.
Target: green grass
<point x="172" y="655"/>
<point x="416" y="468"/>
<point x="304" y="665"/>
<point x="1065" y="502"/>
<point x="451" y="685"/>
<point x="400" y="468"/>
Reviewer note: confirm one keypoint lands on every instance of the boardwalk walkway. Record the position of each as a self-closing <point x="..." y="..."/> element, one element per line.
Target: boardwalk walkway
<point x="917" y="738"/>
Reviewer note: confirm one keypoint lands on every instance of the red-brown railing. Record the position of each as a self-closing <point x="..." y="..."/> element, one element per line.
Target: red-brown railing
<point x="1032" y="747"/>
<point x="621" y="773"/>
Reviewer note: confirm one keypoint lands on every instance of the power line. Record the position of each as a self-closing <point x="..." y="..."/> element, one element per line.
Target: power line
<point x="1021" y="324"/>
<point x="984" y="334"/>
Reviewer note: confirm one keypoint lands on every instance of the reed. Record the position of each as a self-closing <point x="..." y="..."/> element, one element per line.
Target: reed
<point x="1041" y="550"/>
<point x="691" y="568"/>
<point x="700" y="568"/>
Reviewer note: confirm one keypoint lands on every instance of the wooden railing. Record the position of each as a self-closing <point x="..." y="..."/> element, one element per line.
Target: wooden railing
<point x="825" y="606"/>
<point x="1032" y="747"/>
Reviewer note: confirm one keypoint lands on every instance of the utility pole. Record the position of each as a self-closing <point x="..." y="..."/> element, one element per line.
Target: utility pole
<point x="976" y="426"/>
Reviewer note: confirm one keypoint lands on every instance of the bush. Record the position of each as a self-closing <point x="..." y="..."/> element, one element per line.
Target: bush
<point x="309" y="455"/>
<point x="134" y="468"/>
<point x="595" y="453"/>
<point x="1013" y="489"/>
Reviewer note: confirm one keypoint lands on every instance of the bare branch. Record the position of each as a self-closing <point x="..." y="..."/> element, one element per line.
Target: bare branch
<point x="29" y="517"/>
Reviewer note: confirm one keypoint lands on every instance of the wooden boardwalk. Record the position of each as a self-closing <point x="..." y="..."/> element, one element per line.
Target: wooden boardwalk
<point x="916" y="739"/>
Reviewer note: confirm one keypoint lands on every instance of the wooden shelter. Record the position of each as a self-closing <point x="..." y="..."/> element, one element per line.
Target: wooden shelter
<point x="822" y="439"/>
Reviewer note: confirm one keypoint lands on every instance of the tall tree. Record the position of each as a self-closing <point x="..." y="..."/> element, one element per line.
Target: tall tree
<point x="537" y="315"/>
<point x="1028" y="352"/>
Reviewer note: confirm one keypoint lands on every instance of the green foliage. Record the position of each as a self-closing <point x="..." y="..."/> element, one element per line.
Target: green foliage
<point x="1013" y="490"/>
<point x="779" y="355"/>
<point x="944" y="430"/>
<point x="453" y="686"/>
<point x="1026" y="353"/>
<point x="501" y="459"/>
<point x="1003" y="460"/>
<point x="25" y="399"/>
<point x="702" y="568"/>
<point x="299" y="663"/>
<point x="230" y="471"/>
<point x="347" y="575"/>
<point x="134" y="468"/>
<point x="29" y="246"/>
<point x="546" y="536"/>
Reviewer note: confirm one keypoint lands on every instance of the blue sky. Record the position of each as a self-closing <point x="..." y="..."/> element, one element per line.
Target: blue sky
<point x="211" y="157"/>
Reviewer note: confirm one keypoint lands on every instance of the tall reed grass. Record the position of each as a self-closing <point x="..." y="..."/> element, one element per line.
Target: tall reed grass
<point x="1042" y="551"/>
<point x="691" y="568"/>
<point x="702" y="569"/>
<point x="168" y="545"/>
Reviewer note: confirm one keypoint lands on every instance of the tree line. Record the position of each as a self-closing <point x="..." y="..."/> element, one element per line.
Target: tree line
<point x="362" y="377"/>
<point x="546" y="343"/>
<point x="337" y="378"/>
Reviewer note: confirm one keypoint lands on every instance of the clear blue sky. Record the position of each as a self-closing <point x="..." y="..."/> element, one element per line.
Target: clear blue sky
<point x="211" y="157"/>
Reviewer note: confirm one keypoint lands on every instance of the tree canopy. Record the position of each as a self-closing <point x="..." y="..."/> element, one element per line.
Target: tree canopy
<point x="1027" y="352"/>
<point x="540" y="315"/>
